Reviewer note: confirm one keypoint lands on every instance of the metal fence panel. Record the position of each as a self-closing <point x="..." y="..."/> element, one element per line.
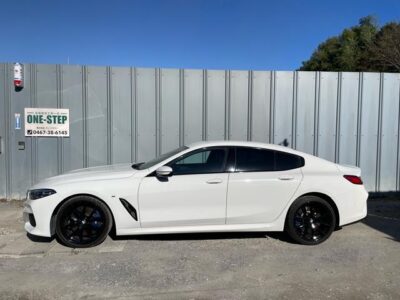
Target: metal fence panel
<point x="72" y="98"/>
<point x="369" y="128"/>
<point x="47" y="157"/>
<point x="122" y="114"/>
<point x="389" y="168"/>
<point x="328" y="94"/>
<point x="146" y="113"/>
<point x="97" y="116"/>
<point x="23" y="167"/>
<point x="283" y="115"/>
<point x="170" y="106"/>
<point x="261" y="106"/>
<point x="193" y="106"/>
<point x="348" y="118"/>
<point x="239" y="103"/>
<point x="305" y="105"/>
<point x="216" y="105"/>
<point x="3" y="124"/>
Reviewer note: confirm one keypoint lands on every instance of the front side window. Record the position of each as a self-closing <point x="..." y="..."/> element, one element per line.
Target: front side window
<point x="200" y="162"/>
<point x="153" y="162"/>
<point x="254" y="160"/>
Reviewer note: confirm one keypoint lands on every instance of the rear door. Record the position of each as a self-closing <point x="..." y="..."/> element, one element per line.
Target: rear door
<point x="262" y="184"/>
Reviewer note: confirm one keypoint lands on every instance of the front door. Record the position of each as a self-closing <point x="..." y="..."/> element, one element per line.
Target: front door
<point x="195" y="194"/>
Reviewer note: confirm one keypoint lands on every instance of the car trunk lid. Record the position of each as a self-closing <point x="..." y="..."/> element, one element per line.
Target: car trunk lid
<point x="349" y="170"/>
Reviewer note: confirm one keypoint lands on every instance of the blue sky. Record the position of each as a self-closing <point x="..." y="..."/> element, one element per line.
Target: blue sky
<point x="216" y="34"/>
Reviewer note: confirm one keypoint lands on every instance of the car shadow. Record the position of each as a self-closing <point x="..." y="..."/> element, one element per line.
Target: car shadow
<point x="206" y="236"/>
<point x="384" y="216"/>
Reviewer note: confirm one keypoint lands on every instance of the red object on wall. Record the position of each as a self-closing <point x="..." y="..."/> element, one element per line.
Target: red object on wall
<point x="18" y="75"/>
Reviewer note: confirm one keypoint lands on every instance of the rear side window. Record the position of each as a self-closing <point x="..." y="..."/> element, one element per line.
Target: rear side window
<point x="264" y="160"/>
<point x="287" y="161"/>
<point x="254" y="160"/>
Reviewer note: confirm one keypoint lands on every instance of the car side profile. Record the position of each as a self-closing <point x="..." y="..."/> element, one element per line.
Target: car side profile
<point x="221" y="186"/>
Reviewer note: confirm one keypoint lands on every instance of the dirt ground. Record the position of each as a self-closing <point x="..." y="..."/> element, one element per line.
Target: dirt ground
<point x="360" y="261"/>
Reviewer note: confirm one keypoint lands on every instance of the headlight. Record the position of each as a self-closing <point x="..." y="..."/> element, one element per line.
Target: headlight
<point x="40" y="193"/>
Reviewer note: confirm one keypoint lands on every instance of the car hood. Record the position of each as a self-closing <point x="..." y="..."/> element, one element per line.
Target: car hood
<point x="89" y="174"/>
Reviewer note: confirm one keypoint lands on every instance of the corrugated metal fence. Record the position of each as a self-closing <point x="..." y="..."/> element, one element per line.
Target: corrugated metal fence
<point x="123" y="114"/>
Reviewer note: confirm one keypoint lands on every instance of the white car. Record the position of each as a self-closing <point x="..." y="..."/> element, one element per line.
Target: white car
<point x="205" y="187"/>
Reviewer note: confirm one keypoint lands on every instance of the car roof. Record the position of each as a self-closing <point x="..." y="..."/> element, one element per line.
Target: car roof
<point x="242" y="144"/>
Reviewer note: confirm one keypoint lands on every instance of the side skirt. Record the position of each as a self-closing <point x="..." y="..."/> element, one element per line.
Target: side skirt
<point x="202" y="228"/>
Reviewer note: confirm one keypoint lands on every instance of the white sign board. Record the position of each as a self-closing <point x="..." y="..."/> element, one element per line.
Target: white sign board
<point x="46" y="122"/>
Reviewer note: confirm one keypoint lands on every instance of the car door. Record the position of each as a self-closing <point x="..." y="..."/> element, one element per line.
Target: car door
<point x="262" y="184"/>
<point x="195" y="194"/>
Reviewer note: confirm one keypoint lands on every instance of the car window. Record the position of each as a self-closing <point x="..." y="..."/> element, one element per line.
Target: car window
<point x="254" y="160"/>
<point x="197" y="158"/>
<point x="200" y="162"/>
<point x="150" y="163"/>
<point x="287" y="161"/>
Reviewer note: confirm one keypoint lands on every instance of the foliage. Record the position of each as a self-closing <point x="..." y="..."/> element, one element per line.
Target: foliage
<point x="364" y="47"/>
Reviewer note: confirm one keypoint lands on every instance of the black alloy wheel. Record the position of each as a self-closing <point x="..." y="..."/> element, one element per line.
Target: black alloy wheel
<point x="310" y="221"/>
<point x="83" y="222"/>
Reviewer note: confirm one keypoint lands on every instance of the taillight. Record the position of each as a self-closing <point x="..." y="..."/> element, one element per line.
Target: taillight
<point x="353" y="179"/>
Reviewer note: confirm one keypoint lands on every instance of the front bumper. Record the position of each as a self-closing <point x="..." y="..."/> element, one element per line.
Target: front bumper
<point x="37" y="215"/>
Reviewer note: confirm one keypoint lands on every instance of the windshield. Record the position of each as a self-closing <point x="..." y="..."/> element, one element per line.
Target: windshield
<point x="150" y="163"/>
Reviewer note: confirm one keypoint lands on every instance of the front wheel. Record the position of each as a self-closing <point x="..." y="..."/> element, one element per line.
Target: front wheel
<point x="310" y="220"/>
<point x="82" y="222"/>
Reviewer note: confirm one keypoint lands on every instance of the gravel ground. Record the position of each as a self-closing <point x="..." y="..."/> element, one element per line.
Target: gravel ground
<point x="360" y="261"/>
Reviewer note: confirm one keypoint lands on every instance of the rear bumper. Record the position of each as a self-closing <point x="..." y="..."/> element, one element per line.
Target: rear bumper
<point x="354" y="208"/>
<point x="355" y="218"/>
<point x="355" y="222"/>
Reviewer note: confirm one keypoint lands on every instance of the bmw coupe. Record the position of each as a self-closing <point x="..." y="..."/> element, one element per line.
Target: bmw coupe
<point x="221" y="186"/>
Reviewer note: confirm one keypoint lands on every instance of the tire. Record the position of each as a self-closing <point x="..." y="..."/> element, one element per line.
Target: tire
<point x="83" y="222"/>
<point x="310" y="220"/>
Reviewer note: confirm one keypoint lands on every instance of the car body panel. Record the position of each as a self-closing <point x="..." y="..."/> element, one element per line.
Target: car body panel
<point x="260" y="197"/>
<point x="215" y="208"/>
<point x="183" y="200"/>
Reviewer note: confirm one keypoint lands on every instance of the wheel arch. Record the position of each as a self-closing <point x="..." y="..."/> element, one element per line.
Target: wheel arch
<point x="55" y="211"/>
<point x="327" y="199"/>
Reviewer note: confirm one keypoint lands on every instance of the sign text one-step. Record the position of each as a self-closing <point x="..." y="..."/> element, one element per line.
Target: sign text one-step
<point x="47" y="122"/>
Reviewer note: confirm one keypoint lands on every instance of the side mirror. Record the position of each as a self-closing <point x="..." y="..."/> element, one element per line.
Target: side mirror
<point x="164" y="171"/>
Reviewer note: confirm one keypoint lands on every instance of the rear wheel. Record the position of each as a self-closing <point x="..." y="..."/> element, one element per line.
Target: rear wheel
<point x="310" y="220"/>
<point x="82" y="222"/>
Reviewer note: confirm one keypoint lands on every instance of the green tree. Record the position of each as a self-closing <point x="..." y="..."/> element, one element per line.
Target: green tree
<point x="385" y="50"/>
<point x="324" y="58"/>
<point x="364" y="47"/>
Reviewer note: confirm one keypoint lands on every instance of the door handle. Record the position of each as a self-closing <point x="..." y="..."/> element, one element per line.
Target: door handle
<point x="286" y="178"/>
<point x="214" y="181"/>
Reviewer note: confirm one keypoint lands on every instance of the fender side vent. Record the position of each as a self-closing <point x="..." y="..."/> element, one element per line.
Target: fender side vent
<point x="32" y="220"/>
<point x="131" y="210"/>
